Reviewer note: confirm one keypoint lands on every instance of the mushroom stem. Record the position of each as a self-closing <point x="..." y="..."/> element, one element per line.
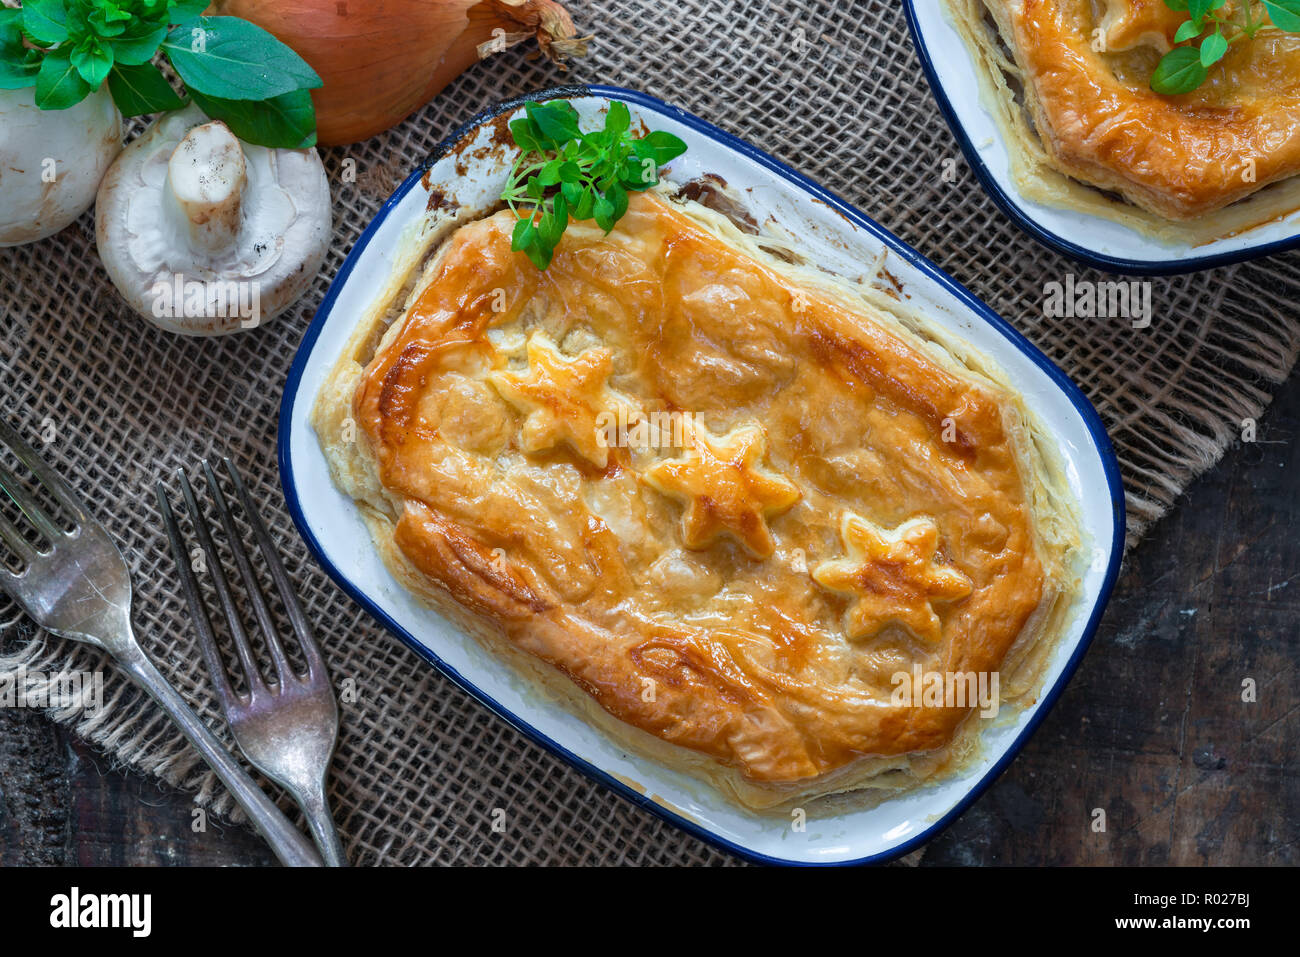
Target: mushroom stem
<point x="206" y="175"/>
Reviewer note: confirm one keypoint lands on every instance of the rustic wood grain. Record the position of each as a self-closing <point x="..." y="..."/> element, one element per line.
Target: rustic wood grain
<point x="1152" y="729"/>
<point x="62" y="803"/>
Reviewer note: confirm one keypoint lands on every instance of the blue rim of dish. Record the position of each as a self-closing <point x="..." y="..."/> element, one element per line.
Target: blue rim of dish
<point x="1081" y="404"/>
<point x="1008" y="205"/>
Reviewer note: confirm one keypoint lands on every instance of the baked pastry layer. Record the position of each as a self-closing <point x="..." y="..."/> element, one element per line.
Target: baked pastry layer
<point x="1081" y="69"/>
<point x="724" y="501"/>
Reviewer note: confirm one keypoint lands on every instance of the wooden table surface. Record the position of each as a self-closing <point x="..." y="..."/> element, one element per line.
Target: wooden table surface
<point x="1152" y="730"/>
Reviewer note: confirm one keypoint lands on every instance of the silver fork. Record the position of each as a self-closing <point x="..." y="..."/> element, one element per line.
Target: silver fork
<point x="80" y="588"/>
<point x="286" y="728"/>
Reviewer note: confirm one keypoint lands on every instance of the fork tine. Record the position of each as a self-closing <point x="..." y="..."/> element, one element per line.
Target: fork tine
<point x="252" y="673"/>
<point x="26" y="502"/>
<point x="57" y="487"/>
<point x="293" y="608"/>
<point x="263" y="614"/>
<point x="190" y="586"/>
<point x="9" y="533"/>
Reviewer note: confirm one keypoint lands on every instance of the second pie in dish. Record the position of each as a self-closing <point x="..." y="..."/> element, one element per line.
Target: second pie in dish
<point x="709" y="498"/>
<point x="1068" y="82"/>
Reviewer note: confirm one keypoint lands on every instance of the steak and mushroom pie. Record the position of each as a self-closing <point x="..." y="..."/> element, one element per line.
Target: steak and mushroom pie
<point x="714" y="501"/>
<point x="1070" y="83"/>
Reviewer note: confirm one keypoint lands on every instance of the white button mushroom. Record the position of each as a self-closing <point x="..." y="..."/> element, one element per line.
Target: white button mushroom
<point x="204" y="234"/>
<point x="51" y="161"/>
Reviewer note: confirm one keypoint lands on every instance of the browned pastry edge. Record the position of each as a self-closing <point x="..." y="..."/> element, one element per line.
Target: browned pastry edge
<point x="1182" y="158"/>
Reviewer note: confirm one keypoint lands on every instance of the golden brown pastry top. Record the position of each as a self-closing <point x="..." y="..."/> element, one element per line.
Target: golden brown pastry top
<point x="1178" y="156"/>
<point x="798" y="503"/>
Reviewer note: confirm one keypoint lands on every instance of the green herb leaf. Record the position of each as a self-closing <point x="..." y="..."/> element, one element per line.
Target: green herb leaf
<point x="618" y="120"/>
<point x="664" y="147"/>
<point x="59" y="85"/>
<point x="134" y="48"/>
<point x="11" y="30"/>
<point x="549" y="174"/>
<point x="555" y="222"/>
<point x="524" y="234"/>
<point x="557" y="120"/>
<point x="617" y="196"/>
<point x="527" y="136"/>
<point x="231" y="59"/>
<point x="1188" y="31"/>
<point x="586" y="203"/>
<point x="1180" y="71"/>
<point x="638" y="174"/>
<point x="142" y="89"/>
<point x="93" y="58"/>
<point x="45" y="21"/>
<point x="603" y="213"/>
<point x="183" y="11"/>
<point x="541" y="258"/>
<point x="108" y="19"/>
<point x="18" y="65"/>
<point x="287" y="121"/>
<point x="1285" y="14"/>
<point x="1213" y="49"/>
<point x="18" y="76"/>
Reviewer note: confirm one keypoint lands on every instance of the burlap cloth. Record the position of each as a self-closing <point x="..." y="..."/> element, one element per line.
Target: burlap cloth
<point x="833" y="89"/>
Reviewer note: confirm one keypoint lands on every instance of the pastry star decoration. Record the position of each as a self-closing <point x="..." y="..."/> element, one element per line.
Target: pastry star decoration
<point x="726" y="489"/>
<point x="893" y="577"/>
<point x="561" y="398"/>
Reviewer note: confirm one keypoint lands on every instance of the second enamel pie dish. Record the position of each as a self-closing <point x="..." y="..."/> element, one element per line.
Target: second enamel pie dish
<point x="1053" y="104"/>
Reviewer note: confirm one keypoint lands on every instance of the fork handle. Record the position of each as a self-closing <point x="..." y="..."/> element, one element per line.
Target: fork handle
<point x="288" y="843"/>
<point x="320" y="822"/>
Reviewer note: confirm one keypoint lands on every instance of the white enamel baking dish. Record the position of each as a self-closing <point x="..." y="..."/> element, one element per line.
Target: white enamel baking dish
<point x="1093" y="240"/>
<point x="840" y="237"/>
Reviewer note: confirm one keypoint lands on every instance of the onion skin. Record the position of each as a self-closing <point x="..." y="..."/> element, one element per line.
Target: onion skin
<point x="382" y="60"/>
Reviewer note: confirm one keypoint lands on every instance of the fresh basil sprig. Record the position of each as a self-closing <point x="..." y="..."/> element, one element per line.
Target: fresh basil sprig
<point x="236" y="72"/>
<point x="1212" y="32"/>
<point x="563" y="173"/>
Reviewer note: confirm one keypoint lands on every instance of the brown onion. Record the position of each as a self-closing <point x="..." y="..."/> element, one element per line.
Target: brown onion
<point x="382" y="60"/>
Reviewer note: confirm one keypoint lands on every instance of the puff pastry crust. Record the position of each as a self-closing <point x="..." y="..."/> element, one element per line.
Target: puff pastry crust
<point x="1081" y="70"/>
<point x="822" y="495"/>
